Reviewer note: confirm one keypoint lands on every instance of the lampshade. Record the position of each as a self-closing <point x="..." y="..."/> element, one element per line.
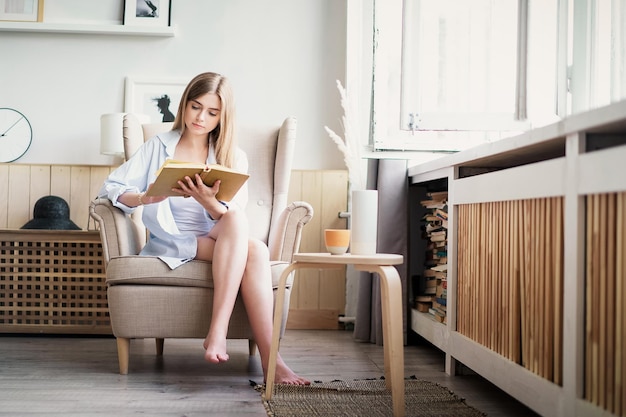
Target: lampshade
<point x="111" y="139"/>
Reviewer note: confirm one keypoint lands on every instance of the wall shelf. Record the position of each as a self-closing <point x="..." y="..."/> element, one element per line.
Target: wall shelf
<point x="85" y="28"/>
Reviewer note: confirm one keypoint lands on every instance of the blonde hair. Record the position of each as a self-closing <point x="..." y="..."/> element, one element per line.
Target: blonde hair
<point x="223" y="136"/>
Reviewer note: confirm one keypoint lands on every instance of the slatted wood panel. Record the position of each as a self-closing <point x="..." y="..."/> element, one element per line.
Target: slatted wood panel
<point x="319" y="296"/>
<point x="510" y="280"/>
<point x="605" y="316"/>
<point x="22" y="185"/>
<point x="52" y="282"/>
<point x="317" y="300"/>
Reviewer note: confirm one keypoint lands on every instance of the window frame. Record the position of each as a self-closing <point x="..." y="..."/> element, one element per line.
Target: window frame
<point x="576" y="86"/>
<point x="390" y="128"/>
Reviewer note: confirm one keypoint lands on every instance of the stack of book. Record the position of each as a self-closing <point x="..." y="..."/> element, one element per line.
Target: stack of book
<point x="434" y="286"/>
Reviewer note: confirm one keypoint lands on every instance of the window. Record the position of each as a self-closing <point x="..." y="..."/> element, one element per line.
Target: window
<point x="450" y="74"/>
<point x="459" y="59"/>
<point x="596" y="53"/>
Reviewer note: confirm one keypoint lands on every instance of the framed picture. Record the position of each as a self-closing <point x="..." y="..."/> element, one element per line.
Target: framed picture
<point x="21" y="10"/>
<point x="147" y="12"/>
<point x="156" y="98"/>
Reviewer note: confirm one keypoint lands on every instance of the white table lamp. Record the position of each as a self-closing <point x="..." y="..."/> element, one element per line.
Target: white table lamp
<point x="111" y="138"/>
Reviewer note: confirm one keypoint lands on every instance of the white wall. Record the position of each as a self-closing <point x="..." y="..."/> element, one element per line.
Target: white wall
<point x="282" y="56"/>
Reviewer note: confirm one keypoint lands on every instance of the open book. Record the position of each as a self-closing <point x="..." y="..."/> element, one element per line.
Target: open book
<point x="171" y="171"/>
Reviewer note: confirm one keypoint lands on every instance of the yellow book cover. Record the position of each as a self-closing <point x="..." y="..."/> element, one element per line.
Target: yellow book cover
<point x="172" y="171"/>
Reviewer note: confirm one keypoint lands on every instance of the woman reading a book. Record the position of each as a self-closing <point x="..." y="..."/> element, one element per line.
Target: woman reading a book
<point x="203" y="227"/>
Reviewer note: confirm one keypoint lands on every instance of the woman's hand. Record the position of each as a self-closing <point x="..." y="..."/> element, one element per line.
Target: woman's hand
<point x="203" y="194"/>
<point x="197" y="189"/>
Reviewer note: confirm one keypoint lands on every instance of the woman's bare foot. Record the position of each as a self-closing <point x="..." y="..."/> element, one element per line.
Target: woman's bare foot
<point x="215" y="350"/>
<point x="284" y="375"/>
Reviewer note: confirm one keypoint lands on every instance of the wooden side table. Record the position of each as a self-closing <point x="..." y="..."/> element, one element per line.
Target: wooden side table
<point x="391" y="300"/>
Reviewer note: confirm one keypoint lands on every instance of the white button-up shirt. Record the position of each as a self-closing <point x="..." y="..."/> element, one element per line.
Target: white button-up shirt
<point x="166" y="241"/>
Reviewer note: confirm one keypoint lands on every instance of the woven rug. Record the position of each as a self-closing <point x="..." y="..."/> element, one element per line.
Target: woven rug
<point x="364" y="398"/>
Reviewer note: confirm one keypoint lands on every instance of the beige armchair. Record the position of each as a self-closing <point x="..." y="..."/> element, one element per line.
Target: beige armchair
<point x="148" y="300"/>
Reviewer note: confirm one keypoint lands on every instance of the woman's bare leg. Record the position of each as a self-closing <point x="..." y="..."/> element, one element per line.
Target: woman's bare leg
<point x="227" y="248"/>
<point x="258" y="297"/>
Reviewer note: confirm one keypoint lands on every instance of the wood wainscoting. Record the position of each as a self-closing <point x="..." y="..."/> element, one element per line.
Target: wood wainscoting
<point x="319" y="296"/>
<point x="22" y="185"/>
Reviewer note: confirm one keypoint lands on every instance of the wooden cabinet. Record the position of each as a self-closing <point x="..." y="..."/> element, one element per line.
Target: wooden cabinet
<point x="536" y="273"/>
<point x="52" y="281"/>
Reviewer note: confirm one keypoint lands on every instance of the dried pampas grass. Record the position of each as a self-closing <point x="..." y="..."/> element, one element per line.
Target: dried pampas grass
<point x="349" y="144"/>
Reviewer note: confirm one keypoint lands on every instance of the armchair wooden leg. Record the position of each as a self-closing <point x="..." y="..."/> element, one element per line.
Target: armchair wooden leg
<point x="159" y="346"/>
<point x="251" y="347"/>
<point x="123" y="354"/>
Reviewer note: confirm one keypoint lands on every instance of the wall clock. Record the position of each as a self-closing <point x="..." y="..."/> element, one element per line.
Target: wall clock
<point x="16" y="134"/>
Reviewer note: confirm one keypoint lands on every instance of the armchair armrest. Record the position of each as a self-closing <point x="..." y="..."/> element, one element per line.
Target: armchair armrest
<point x="286" y="233"/>
<point x="120" y="234"/>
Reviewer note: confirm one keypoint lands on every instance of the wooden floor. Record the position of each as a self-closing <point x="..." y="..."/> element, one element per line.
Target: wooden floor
<point x="77" y="376"/>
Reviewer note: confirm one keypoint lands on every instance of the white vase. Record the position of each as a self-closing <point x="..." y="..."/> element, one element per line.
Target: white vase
<point x="364" y="222"/>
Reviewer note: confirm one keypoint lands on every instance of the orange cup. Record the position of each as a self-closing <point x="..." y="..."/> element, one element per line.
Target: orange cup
<point x="337" y="240"/>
